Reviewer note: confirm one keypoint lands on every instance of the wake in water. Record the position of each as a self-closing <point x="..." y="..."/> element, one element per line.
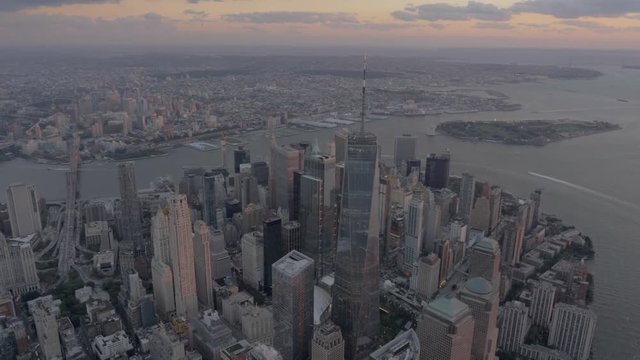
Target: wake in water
<point x="586" y="190"/>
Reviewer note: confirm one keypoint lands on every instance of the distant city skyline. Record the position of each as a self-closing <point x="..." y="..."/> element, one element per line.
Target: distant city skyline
<point x="454" y="23"/>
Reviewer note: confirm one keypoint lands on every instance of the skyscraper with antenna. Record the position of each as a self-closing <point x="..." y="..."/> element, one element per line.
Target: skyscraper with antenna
<point x="356" y="288"/>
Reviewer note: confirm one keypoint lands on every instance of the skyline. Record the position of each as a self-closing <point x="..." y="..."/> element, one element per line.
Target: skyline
<point x="603" y="24"/>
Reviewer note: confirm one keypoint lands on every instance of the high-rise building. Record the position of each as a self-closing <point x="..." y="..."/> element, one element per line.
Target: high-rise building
<point x="467" y="196"/>
<point x="18" y="273"/>
<point x="327" y="343"/>
<point x="253" y="259"/>
<point x="220" y="259"/>
<point x="257" y="324"/>
<point x="395" y="238"/>
<point x="445" y="330"/>
<point x="485" y="260"/>
<point x="45" y="311"/>
<point x="323" y="167"/>
<point x="543" y="298"/>
<point x="24" y="211"/>
<point x="536" y="198"/>
<point x="495" y="203"/>
<point x="203" y="265"/>
<point x="340" y="140"/>
<point x="130" y="221"/>
<point x="284" y="161"/>
<point x="209" y="203"/>
<point x="510" y="234"/>
<point x="482" y="297"/>
<point x="404" y="149"/>
<point x="436" y="175"/>
<point x="412" y="166"/>
<point x="572" y="330"/>
<point x="174" y="258"/>
<point x="414" y="226"/>
<point x="260" y="171"/>
<point x="240" y="156"/>
<point x="293" y="305"/>
<point x="444" y="249"/>
<point x="356" y="288"/>
<point x="514" y="325"/>
<point x="316" y="241"/>
<point x="291" y="236"/>
<point x="273" y="249"/>
<point x="210" y="334"/>
<point x="428" y="275"/>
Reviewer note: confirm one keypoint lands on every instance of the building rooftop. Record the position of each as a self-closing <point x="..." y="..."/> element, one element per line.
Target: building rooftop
<point x="293" y="263"/>
<point x="404" y="346"/>
<point x="447" y="307"/>
<point x="479" y="286"/>
<point x="487" y="244"/>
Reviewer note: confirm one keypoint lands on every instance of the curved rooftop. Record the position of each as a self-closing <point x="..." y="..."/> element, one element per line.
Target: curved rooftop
<point x="479" y="286"/>
<point x="488" y="244"/>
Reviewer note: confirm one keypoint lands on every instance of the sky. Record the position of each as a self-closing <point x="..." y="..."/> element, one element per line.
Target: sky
<point x="602" y="24"/>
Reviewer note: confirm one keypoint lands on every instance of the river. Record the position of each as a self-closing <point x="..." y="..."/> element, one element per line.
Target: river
<point x="591" y="182"/>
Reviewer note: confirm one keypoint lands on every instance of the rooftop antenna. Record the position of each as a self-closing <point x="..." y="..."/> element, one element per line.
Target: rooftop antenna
<point x="364" y="88"/>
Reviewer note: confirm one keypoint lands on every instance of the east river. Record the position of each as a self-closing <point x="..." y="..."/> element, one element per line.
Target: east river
<point x="591" y="182"/>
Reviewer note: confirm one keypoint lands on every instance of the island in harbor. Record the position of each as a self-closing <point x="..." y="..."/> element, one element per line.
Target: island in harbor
<point x="528" y="132"/>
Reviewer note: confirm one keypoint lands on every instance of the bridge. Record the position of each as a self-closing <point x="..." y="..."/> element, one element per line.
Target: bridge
<point x="72" y="217"/>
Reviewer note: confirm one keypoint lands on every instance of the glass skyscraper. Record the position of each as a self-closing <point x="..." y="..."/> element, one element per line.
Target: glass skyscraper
<point x="356" y="288"/>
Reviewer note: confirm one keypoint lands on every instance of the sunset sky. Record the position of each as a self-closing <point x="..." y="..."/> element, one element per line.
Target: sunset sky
<point x="438" y="23"/>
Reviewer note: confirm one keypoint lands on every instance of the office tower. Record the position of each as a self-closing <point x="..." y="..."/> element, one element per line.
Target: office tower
<point x="220" y="259"/>
<point x="514" y="325"/>
<point x="445" y="329"/>
<point x="240" y="156"/>
<point x="273" y="249"/>
<point x="323" y="167"/>
<point x="260" y="171"/>
<point x="209" y="203"/>
<point x="327" y="342"/>
<point x="445" y="254"/>
<point x="210" y="334"/>
<point x="467" y="196"/>
<point x="293" y="305"/>
<point x="130" y="221"/>
<point x="572" y="330"/>
<point x="482" y="297"/>
<point x="98" y="234"/>
<point x="291" y="236"/>
<point x="18" y="272"/>
<point x="202" y="261"/>
<point x="340" y="140"/>
<point x="458" y="232"/>
<point x="316" y="242"/>
<point x="428" y="275"/>
<point x="436" y="175"/>
<point x="495" y="203"/>
<point x="510" y="235"/>
<point x="395" y="238"/>
<point x="404" y="149"/>
<point x="433" y="220"/>
<point x="174" y="259"/>
<point x="284" y="161"/>
<point x="247" y="189"/>
<point x="232" y="207"/>
<point x="252" y="218"/>
<point x="485" y="261"/>
<point x="165" y="344"/>
<point x="95" y="211"/>
<point x="536" y="198"/>
<point x="405" y="345"/>
<point x="253" y="259"/>
<point x="45" y="311"/>
<point x="543" y="298"/>
<point x="414" y="230"/>
<point x="24" y="211"/>
<point x="297" y="184"/>
<point x="356" y="288"/>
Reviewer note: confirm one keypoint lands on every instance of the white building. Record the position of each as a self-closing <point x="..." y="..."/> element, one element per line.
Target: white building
<point x="257" y="324"/>
<point x="253" y="259"/>
<point x="514" y="325"/>
<point x="24" y="211"/>
<point x="98" y="233"/>
<point x="45" y="311"/>
<point x="572" y="329"/>
<point x="220" y="259"/>
<point x="18" y="272"/>
<point x="428" y="275"/>
<point x="108" y="347"/>
<point x="543" y="298"/>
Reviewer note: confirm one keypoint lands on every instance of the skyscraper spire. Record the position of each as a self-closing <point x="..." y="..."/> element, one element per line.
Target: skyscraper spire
<point x="364" y="87"/>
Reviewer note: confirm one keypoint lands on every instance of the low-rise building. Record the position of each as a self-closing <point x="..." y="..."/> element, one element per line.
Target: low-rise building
<point x="111" y="346"/>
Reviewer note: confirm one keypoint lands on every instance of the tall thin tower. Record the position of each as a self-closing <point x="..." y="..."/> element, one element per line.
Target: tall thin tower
<point x="356" y="289"/>
<point x="131" y="222"/>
